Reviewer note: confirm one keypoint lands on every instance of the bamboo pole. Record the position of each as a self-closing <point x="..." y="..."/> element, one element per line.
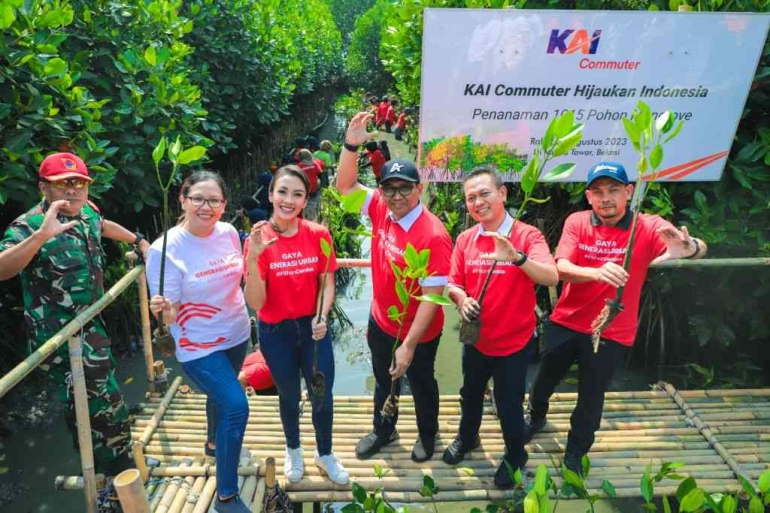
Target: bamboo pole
<point x="138" y="446"/>
<point x="19" y="372"/>
<point x="174" y="485"/>
<point x="144" y="313"/>
<point x="184" y="490"/>
<point x="704" y="430"/>
<point x="160" y="490"/>
<point x="193" y="496"/>
<point x="206" y="496"/>
<point x="83" y="421"/>
<point x="71" y="483"/>
<point x="131" y="492"/>
<point x="259" y="497"/>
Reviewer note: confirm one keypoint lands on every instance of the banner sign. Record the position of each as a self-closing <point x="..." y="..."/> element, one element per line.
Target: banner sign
<point x="492" y="80"/>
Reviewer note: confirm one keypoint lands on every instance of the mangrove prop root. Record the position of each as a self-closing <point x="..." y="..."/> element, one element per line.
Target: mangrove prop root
<point x="470" y="330"/>
<point x="164" y="342"/>
<point x="390" y="408"/>
<point x="603" y="320"/>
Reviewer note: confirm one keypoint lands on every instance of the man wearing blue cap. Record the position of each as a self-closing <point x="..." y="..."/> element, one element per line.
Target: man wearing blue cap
<point x="590" y="258"/>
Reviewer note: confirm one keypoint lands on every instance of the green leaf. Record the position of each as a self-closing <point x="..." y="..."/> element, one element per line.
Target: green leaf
<point x="403" y="295"/>
<point x="565" y="144"/>
<point x="359" y="494"/>
<point x="608" y="489"/>
<point x="646" y="484"/>
<point x="424" y="258"/>
<point x="18" y="140"/>
<point x="656" y="156"/>
<point x="529" y="176"/>
<point x="192" y="154"/>
<point x="755" y="505"/>
<point x="549" y="136"/>
<point x="564" y="124"/>
<point x="666" y="505"/>
<point x="7" y="16"/>
<point x="436" y="299"/>
<point x="411" y="257"/>
<point x="728" y="504"/>
<point x="764" y="482"/>
<point x="572" y="478"/>
<point x="559" y="172"/>
<point x="585" y="462"/>
<point x="397" y="272"/>
<point x="642" y="165"/>
<point x="545" y="504"/>
<point x="747" y="486"/>
<point x="631" y="130"/>
<point x="692" y="501"/>
<point x="673" y="5"/>
<point x="541" y="480"/>
<point x="377" y="468"/>
<point x="531" y="503"/>
<point x="664" y="120"/>
<point x="55" y="66"/>
<point x="674" y="132"/>
<point x="353" y="507"/>
<point x="467" y="470"/>
<point x="517" y="477"/>
<point x="393" y="313"/>
<point x="160" y="149"/>
<point x="174" y="149"/>
<point x="354" y="202"/>
<point x="684" y="488"/>
<point x="369" y="503"/>
<point x="149" y="55"/>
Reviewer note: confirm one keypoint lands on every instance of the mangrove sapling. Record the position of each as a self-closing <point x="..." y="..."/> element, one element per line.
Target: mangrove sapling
<point x="561" y="136"/>
<point x="162" y="338"/>
<point x="318" y="380"/>
<point x="647" y="135"/>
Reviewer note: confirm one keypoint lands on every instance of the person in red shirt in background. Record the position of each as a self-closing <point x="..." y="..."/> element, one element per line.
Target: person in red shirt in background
<point x="507" y="318"/>
<point x="256" y="374"/>
<point x="312" y="168"/>
<point x="590" y="259"/>
<point x="401" y="124"/>
<point x="390" y="116"/>
<point x="376" y="158"/>
<point x="382" y="112"/>
<point x="398" y="218"/>
<point x="285" y="269"/>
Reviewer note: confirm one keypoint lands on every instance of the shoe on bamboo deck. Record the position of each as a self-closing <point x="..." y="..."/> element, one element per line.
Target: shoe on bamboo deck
<point x="234" y="505"/>
<point x="331" y="467"/>
<point x="293" y="465"/>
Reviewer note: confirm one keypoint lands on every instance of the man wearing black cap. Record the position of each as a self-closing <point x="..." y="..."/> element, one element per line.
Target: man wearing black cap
<point x="590" y="262"/>
<point x="398" y="218"/>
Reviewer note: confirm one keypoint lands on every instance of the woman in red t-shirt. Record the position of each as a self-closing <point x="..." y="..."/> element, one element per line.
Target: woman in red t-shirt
<point x="285" y="270"/>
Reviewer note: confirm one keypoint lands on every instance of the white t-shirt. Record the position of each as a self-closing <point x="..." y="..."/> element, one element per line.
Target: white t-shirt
<point x="203" y="275"/>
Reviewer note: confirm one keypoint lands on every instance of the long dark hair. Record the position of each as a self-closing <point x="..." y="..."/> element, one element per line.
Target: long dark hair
<point x="196" y="177"/>
<point x="294" y="171"/>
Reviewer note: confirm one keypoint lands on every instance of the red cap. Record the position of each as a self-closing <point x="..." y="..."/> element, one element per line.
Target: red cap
<point x="61" y="166"/>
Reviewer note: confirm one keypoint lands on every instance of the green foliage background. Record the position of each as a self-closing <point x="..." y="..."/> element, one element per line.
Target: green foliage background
<point x="363" y="66"/>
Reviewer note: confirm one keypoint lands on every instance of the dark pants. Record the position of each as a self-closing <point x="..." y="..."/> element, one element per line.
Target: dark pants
<point x="288" y="349"/>
<point x="421" y="380"/>
<point x="227" y="409"/>
<point x="563" y="347"/>
<point x="510" y="375"/>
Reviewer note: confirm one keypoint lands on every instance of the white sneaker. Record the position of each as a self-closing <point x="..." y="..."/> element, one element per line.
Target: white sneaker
<point x="293" y="466"/>
<point x="332" y="467"/>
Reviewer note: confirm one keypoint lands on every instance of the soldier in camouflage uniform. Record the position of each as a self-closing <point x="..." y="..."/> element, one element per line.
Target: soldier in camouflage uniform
<point x="56" y="248"/>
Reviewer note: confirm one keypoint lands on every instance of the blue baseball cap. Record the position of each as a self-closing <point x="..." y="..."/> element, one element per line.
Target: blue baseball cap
<point x="612" y="170"/>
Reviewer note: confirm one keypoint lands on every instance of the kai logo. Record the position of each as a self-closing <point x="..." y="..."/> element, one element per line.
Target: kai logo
<point x="573" y="41"/>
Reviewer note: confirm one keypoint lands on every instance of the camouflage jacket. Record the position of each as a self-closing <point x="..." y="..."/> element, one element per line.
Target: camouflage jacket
<point x="66" y="275"/>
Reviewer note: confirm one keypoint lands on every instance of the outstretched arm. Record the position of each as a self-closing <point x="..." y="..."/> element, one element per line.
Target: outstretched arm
<point x="347" y="171"/>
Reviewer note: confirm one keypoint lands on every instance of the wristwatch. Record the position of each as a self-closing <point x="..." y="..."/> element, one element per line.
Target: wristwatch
<point x="350" y="147"/>
<point x="522" y="260"/>
<point x="139" y="238"/>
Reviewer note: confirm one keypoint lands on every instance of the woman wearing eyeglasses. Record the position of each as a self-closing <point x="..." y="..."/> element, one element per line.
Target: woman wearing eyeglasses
<point x="203" y="305"/>
<point x="286" y="275"/>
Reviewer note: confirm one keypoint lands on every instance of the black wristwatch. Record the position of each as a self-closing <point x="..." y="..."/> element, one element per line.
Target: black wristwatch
<point x="522" y="260"/>
<point x="139" y="238"/>
<point x="350" y="147"/>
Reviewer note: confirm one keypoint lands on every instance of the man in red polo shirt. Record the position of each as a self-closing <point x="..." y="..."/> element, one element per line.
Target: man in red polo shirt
<point x="382" y="112"/>
<point x="590" y="259"/>
<point x="398" y="218"/>
<point x="507" y="315"/>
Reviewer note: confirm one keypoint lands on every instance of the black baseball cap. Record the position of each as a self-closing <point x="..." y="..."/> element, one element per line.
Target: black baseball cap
<point x="400" y="168"/>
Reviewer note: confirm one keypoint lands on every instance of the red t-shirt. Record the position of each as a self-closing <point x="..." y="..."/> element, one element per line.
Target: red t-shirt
<point x="312" y="171"/>
<point x="401" y="123"/>
<point x="588" y="244"/>
<point x="382" y="111"/>
<point x="390" y="114"/>
<point x="290" y="269"/>
<point x="508" y="310"/>
<point x="377" y="160"/>
<point x="257" y="372"/>
<point x="388" y="245"/>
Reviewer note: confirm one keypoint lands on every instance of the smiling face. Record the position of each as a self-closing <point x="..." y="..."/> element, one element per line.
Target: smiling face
<point x="200" y="219"/>
<point x="400" y="204"/>
<point x="485" y="201"/>
<point x="289" y="197"/>
<point x="608" y="199"/>
<point x="73" y="190"/>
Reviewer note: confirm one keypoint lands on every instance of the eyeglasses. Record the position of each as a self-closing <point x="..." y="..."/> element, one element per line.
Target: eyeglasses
<point x="198" y="201"/>
<point x="69" y="183"/>
<point x="389" y="191"/>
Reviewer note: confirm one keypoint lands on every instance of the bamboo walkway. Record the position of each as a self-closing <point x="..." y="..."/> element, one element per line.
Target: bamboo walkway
<point x="718" y="434"/>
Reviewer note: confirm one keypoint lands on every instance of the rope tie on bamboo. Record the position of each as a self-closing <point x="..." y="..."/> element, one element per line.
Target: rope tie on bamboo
<point x="192" y="497"/>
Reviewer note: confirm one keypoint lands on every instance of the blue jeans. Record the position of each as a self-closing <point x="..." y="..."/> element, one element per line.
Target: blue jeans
<point x="288" y="350"/>
<point x="227" y="409"/>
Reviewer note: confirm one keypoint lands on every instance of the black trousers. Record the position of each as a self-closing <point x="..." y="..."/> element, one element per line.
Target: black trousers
<point x="563" y="347"/>
<point x="510" y="375"/>
<point x="421" y="378"/>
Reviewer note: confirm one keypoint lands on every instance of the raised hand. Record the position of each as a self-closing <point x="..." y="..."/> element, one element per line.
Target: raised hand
<point x="357" y="133"/>
<point x="504" y="250"/>
<point x="257" y="244"/>
<point x="51" y="226"/>
<point x="679" y="244"/>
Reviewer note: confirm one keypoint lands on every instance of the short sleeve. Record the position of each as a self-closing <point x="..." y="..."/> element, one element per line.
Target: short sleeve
<point x="172" y="281"/>
<point x="457" y="268"/>
<point x="15" y="234"/>
<point x="537" y="248"/>
<point x="568" y="243"/>
<point x="440" y="261"/>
